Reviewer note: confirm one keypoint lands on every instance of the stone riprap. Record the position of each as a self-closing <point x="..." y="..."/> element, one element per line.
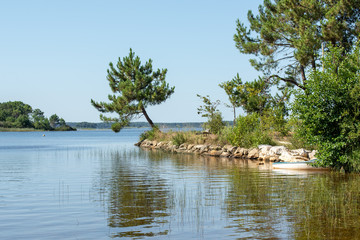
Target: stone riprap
<point x="261" y="153"/>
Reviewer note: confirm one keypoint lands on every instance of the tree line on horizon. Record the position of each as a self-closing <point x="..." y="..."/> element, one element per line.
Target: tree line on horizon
<point x="308" y="50"/>
<point x="107" y="125"/>
<point x="16" y="114"/>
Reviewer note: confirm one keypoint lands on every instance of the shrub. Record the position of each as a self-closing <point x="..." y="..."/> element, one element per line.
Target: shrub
<point x="209" y="110"/>
<point x="150" y="135"/>
<point x="329" y="110"/>
<point x="179" y="138"/>
<point x="249" y="132"/>
<point x="215" y="124"/>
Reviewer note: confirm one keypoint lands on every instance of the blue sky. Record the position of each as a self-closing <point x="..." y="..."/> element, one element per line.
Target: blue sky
<point x="54" y="54"/>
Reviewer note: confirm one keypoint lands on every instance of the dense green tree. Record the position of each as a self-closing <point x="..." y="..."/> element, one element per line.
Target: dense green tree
<point x="134" y="87"/>
<point x="255" y="96"/>
<point x="286" y="36"/>
<point x="54" y="121"/>
<point x="37" y="115"/>
<point x="62" y="122"/>
<point x="40" y="121"/>
<point x="251" y="96"/>
<point x="15" y="114"/>
<point x="329" y="110"/>
<point x="20" y="115"/>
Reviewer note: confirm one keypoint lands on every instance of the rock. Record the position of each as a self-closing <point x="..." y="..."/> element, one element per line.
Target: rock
<point x="229" y="148"/>
<point x="264" y="152"/>
<point x="277" y="150"/>
<point x="253" y="153"/>
<point x="190" y="146"/>
<point x="264" y="147"/>
<point x="214" y="153"/>
<point x="300" y="152"/>
<point x="183" y="146"/>
<point x="312" y="154"/>
<point x="198" y="147"/>
<point x="287" y="156"/>
<point x="204" y="149"/>
<point x="138" y="144"/>
<point x="146" y="143"/>
<point x="225" y="154"/>
<point x="241" y="152"/>
<point x="216" y="148"/>
<point x="274" y="158"/>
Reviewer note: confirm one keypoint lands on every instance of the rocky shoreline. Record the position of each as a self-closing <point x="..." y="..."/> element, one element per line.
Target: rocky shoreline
<point x="261" y="153"/>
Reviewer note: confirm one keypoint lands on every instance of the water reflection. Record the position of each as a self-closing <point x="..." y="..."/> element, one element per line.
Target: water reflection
<point x="138" y="198"/>
<point x="153" y="194"/>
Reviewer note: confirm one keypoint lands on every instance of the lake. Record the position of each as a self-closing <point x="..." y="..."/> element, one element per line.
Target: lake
<point x="98" y="185"/>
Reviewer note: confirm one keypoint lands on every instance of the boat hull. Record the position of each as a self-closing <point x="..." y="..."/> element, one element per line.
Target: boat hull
<point x="295" y="166"/>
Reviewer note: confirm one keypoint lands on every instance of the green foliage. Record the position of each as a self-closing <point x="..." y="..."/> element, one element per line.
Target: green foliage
<point x="135" y="87"/>
<point x="116" y="127"/>
<point x="233" y="89"/>
<point x="329" y="110"/>
<point x="249" y="131"/>
<point x="255" y="97"/>
<point x="54" y="121"/>
<point x="40" y="121"/>
<point x="15" y="114"/>
<point x="150" y="135"/>
<point x="209" y="110"/>
<point x="65" y="128"/>
<point x="179" y="138"/>
<point x="215" y="124"/>
<point x="275" y="115"/>
<point x="19" y="115"/>
<point x="286" y="35"/>
<point x="43" y="124"/>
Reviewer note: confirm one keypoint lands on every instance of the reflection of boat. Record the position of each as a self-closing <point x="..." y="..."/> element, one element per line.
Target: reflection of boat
<point x="297" y="165"/>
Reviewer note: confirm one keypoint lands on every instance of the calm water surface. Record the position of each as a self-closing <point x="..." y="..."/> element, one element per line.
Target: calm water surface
<point x="97" y="185"/>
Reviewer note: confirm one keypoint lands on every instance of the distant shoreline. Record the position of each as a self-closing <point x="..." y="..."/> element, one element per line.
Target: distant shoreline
<point x="30" y="130"/>
<point x="107" y="125"/>
<point x="20" y="130"/>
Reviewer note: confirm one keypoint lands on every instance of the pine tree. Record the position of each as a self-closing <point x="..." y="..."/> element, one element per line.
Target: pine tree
<point x="134" y="87"/>
<point x="286" y="36"/>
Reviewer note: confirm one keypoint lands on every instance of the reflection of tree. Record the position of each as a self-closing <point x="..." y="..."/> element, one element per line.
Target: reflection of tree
<point x="251" y="204"/>
<point x="320" y="206"/>
<point x="193" y="193"/>
<point x="138" y="199"/>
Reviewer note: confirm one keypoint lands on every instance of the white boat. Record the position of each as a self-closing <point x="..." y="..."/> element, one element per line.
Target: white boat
<point x="297" y="165"/>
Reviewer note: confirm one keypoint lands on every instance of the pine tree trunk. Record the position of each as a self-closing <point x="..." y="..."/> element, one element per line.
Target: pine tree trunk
<point x="302" y="71"/>
<point x="234" y="116"/>
<point x="147" y="117"/>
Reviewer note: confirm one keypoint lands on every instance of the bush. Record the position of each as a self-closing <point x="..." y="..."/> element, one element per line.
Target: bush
<point x="150" y="135"/>
<point x="329" y="110"/>
<point x="249" y="132"/>
<point x="215" y="124"/>
<point x="179" y="138"/>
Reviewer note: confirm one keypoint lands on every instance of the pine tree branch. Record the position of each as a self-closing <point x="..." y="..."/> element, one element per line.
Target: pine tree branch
<point x="286" y="80"/>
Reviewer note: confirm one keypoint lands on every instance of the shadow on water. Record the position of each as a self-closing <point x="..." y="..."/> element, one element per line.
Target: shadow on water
<point x="152" y="193"/>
